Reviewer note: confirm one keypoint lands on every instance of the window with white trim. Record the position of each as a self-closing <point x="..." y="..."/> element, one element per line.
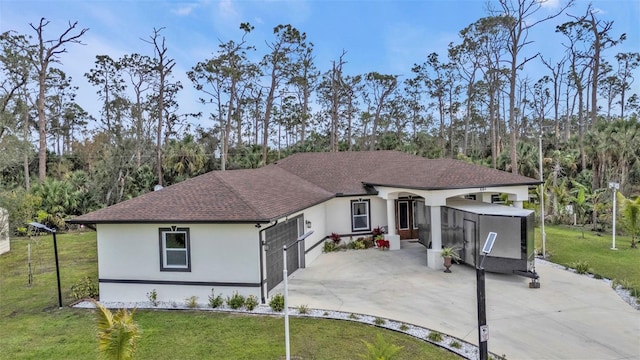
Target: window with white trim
<point x="360" y="220"/>
<point x="175" y="252"/>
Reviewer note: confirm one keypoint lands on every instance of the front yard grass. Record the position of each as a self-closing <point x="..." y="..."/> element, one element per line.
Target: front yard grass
<point x="32" y="326"/>
<point x="565" y="245"/>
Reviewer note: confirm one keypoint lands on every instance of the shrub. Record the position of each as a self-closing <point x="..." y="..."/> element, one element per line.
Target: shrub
<point x="377" y="231"/>
<point x="626" y="284"/>
<point x="404" y="327"/>
<point x="235" y="301"/>
<point x="368" y="243"/>
<point x="251" y="302"/>
<point x="153" y="297"/>
<point x="117" y="333"/>
<point x="456" y="345"/>
<point x="335" y="237"/>
<point x="381" y="349"/>
<point x="277" y="302"/>
<point x="329" y="247"/>
<point x="379" y="321"/>
<point x="358" y="244"/>
<point x="353" y="316"/>
<point x="597" y="276"/>
<point x="191" y="302"/>
<point x="435" y="336"/>
<point x="215" y="301"/>
<point x="325" y="313"/>
<point x="303" y="309"/>
<point x="84" y="289"/>
<point x="581" y="266"/>
<point x="615" y="283"/>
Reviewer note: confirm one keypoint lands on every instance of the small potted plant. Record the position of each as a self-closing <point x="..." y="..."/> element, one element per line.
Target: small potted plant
<point x="449" y="254"/>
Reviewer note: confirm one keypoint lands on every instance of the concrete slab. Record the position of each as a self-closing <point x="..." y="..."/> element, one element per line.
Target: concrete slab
<point x="570" y="317"/>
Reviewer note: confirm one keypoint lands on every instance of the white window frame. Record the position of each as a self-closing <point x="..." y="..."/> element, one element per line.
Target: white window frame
<point x="367" y="216"/>
<point x="164" y="266"/>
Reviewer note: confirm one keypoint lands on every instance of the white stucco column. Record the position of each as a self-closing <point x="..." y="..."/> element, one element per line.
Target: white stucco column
<point x="392" y="235"/>
<point x="434" y="260"/>
<point x="517" y="204"/>
<point x="391" y="216"/>
<point x="486" y="197"/>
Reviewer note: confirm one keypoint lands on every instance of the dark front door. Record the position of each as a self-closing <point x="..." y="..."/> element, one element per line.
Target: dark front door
<point x="470" y="242"/>
<point x="406" y="223"/>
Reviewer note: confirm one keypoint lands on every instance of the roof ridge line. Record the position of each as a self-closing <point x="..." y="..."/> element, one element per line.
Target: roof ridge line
<point x="303" y="179"/>
<point x="234" y="191"/>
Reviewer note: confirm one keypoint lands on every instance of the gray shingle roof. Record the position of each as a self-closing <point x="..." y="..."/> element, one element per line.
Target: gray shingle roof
<point x="293" y="184"/>
<point x="256" y="195"/>
<point x="345" y="172"/>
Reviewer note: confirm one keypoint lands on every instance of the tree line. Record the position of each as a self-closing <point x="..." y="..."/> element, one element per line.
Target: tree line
<point x="475" y="103"/>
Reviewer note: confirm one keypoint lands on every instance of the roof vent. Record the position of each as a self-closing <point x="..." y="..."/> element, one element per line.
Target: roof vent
<point x="157" y="187"/>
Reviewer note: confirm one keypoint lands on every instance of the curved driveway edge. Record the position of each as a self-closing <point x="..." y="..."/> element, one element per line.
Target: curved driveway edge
<point x="569" y="317"/>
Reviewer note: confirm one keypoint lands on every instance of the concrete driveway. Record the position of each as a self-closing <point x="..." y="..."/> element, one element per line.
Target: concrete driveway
<point x="570" y="317"/>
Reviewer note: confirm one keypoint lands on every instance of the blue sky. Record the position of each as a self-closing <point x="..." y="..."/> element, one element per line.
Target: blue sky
<point x="378" y="35"/>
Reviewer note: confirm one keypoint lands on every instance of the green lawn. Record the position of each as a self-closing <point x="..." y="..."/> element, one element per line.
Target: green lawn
<point x="32" y="327"/>
<point x="565" y="245"/>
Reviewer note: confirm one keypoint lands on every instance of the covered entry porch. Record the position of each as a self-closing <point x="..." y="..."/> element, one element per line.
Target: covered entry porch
<point x="405" y="208"/>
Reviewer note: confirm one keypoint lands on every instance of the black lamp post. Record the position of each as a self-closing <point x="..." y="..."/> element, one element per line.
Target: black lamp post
<point x="483" y="329"/>
<point x="55" y="250"/>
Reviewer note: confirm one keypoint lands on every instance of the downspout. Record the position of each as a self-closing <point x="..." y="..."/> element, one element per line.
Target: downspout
<point x="261" y="247"/>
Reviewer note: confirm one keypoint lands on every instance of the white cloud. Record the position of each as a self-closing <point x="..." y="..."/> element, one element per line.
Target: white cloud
<point x="227" y="9"/>
<point x="185" y="10"/>
<point x="550" y="4"/>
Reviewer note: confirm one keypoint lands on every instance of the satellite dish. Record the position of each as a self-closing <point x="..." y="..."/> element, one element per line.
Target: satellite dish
<point x="157" y="187"/>
<point x="488" y="245"/>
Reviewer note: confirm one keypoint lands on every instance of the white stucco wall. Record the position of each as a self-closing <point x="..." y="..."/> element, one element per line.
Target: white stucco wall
<point x="219" y="253"/>
<point x="338" y="214"/>
<point x="316" y="215"/>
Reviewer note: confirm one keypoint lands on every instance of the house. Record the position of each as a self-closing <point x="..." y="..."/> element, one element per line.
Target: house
<point x="226" y="229"/>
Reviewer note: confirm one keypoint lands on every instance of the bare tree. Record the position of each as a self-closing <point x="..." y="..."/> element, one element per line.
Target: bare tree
<point x="47" y="52"/>
<point x="557" y="71"/>
<point x="381" y="87"/>
<point x="280" y="65"/>
<point x="522" y="14"/>
<point x="163" y="67"/>
<point x="627" y="62"/>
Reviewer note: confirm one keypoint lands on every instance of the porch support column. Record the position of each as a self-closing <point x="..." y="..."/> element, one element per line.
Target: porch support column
<point x="434" y="260"/>
<point x="392" y="235"/>
<point x="517" y="204"/>
<point x="486" y="197"/>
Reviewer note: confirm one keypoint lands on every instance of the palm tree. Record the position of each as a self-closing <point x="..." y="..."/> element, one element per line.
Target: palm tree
<point x="625" y="139"/>
<point x="630" y="210"/>
<point x="117" y="333"/>
<point x="581" y="202"/>
<point x="183" y="159"/>
<point x="561" y="197"/>
<point x="527" y="160"/>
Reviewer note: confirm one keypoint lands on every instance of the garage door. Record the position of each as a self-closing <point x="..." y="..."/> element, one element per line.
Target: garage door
<point x="276" y="237"/>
